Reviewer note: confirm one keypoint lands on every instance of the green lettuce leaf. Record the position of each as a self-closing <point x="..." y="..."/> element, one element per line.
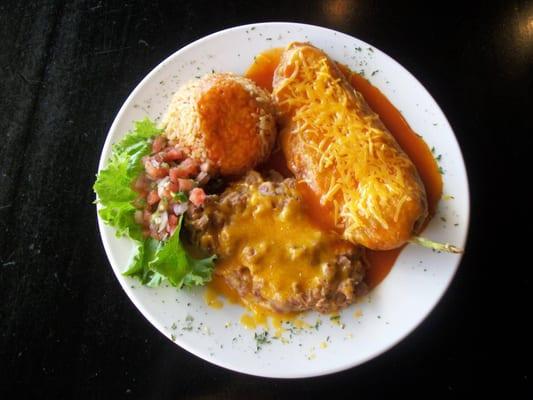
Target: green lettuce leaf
<point x="146" y="251"/>
<point x="174" y="263"/>
<point x="113" y="183"/>
<point x="154" y="261"/>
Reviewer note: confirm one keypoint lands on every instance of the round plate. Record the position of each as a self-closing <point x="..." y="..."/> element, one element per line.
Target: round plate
<point x="392" y="310"/>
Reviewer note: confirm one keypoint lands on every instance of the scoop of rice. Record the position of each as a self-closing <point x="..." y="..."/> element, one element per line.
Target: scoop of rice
<point x="225" y="119"/>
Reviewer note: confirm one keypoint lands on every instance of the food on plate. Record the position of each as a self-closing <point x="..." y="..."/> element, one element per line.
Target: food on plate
<point x="336" y="144"/>
<point x="225" y="119"/>
<point x="170" y="181"/>
<point x="135" y="196"/>
<point x="271" y="253"/>
<point x="283" y="243"/>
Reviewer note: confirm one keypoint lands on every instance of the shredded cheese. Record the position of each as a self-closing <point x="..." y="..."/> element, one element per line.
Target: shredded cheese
<point x="349" y="157"/>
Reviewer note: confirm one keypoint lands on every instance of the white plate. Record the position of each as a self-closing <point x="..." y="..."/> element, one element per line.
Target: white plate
<point x="396" y="307"/>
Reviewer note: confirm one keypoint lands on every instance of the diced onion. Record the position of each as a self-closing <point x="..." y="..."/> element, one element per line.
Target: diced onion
<point x="202" y="178"/>
<point x="163" y="222"/>
<point x="179" y="209"/>
<point x="162" y="185"/>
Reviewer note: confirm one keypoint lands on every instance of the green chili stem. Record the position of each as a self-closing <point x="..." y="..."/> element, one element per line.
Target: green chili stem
<point x="430" y="244"/>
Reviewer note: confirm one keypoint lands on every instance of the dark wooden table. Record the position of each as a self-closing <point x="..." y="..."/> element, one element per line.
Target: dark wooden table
<point x="66" y="328"/>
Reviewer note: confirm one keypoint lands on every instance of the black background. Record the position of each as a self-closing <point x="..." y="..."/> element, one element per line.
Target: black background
<point x="66" y="328"/>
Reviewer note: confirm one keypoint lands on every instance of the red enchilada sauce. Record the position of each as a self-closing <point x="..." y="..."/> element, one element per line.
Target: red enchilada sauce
<point x="381" y="262"/>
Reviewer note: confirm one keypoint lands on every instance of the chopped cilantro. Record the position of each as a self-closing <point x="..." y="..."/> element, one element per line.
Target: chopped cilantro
<point x="181" y="196"/>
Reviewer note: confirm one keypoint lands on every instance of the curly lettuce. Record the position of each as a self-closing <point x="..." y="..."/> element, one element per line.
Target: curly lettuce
<point x="154" y="261"/>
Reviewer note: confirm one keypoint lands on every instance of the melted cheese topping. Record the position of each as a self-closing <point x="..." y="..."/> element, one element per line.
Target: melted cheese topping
<point x="284" y="252"/>
<point x="339" y="147"/>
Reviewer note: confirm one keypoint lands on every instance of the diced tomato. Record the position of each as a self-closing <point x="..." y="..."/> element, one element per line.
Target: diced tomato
<point x="155" y="172"/>
<point x="152" y="198"/>
<point x="174" y="173"/>
<point x="173" y="154"/>
<point x="185" y="184"/>
<point x="143" y="191"/>
<point x="159" y="144"/>
<point x="141" y="183"/>
<point x="187" y="168"/>
<point x="197" y="196"/>
<point x="172" y="222"/>
<point x="174" y="187"/>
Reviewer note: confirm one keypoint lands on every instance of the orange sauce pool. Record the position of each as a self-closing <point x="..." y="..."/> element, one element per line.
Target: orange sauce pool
<point x="262" y="71"/>
<point x="418" y="151"/>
